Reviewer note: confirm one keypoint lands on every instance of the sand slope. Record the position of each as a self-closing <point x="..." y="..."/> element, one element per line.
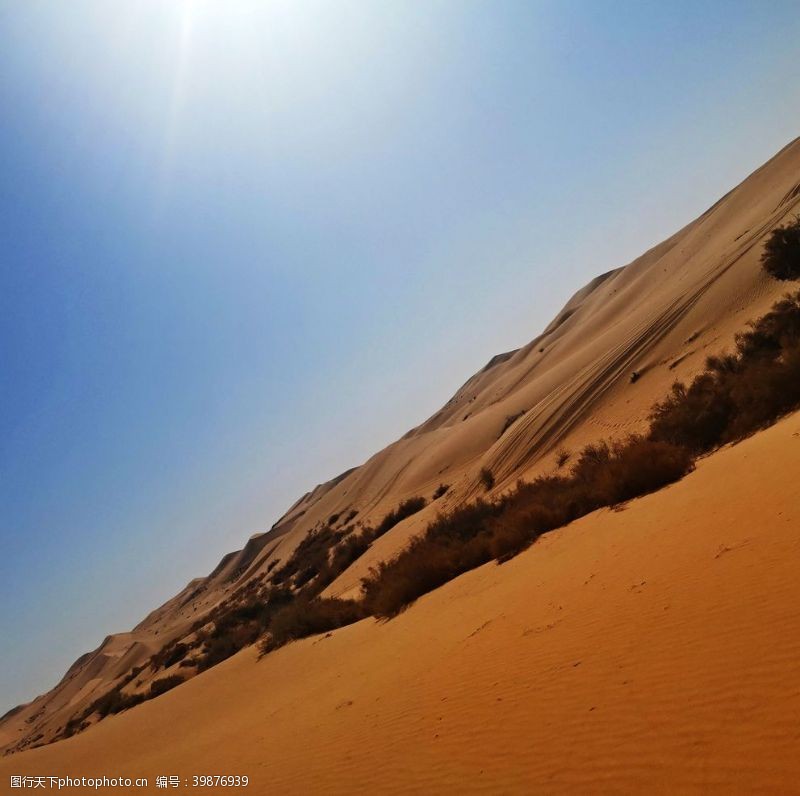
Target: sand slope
<point x="652" y="649"/>
<point x="659" y="317"/>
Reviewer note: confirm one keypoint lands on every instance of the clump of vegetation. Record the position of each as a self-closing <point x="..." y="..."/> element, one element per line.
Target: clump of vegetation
<point x="307" y="617"/>
<point x="781" y="255"/>
<point x="441" y="491"/>
<point x="347" y="551"/>
<point x="453" y="543"/>
<point x="474" y="534"/>
<point x="309" y="558"/>
<point x="402" y="512"/>
<point x="169" y="655"/>
<point x="738" y="393"/>
<point x="562" y="457"/>
<point x="240" y="626"/>
<point x="158" y="687"/>
<point x="291" y="608"/>
<point x="486" y="477"/>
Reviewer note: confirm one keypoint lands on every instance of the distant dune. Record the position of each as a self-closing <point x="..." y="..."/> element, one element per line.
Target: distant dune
<point x="546" y="714"/>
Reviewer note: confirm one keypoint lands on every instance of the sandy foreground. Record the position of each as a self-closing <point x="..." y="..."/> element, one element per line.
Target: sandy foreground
<point x="650" y="649"/>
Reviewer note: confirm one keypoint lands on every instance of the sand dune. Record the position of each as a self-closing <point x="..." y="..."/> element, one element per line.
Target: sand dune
<point x="657" y="318"/>
<point x="652" y="649"/>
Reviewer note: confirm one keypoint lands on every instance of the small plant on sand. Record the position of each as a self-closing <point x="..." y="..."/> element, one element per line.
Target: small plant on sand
<point x="486" y="477"/>
<point x="562" y="457"/>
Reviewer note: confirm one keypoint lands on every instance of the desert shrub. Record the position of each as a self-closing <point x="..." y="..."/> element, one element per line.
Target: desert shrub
<point x="696" y="417"/>
<point x="240" y="625"/>
<point x="781" y="255"/>
<point x="403" y="511"/>
<point x="348" y="550"/>
<point x="562" y="457"/>
<point x="307" y="617"/>
<point x="158" y="687"/>
<point x="767" y="391"/>
<point x="738" y="392"/>
<point x="520" y="526"/>
<point x="476" y="533"/>
<point x="222" y="646"/>
<point x="113" y="701"/>
<point x="441" y="491"/>
<point x="608" y="474"/>
<point x="169" y="655"/>
<point x="486" y="477"/>
<point x="310" y="556"/>
<point x="425" y="565"/>
<point x="453" y="543"/>
<point x="133" y="673"/>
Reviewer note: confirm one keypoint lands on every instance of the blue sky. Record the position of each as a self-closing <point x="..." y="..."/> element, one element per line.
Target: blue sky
<point x="243" y="245"/>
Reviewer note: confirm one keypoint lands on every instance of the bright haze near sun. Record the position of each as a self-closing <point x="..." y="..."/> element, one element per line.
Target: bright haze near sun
<point x="246" y="244"/>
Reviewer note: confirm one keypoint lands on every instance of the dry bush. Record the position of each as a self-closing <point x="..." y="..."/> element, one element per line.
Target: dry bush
<point x="473" y="534"/>
<point x="113" y="701"/>
<point x="738" y="393"/>
<point x="158" y="687"/>
<point x="169" y="655"/>
<point x="403" y="511"/>
<point x="441" y="491"/>
<point x="611" y="474"/>
<point x="486" y="477"/>
<point x="307" y="617"/>
<point x="348" y="550"/>
<point x="781" y="255"/>
<point x="695" y="417"/>
<point x="222" y="646"/>
<point x="309" y="557"/>
<point x="425" y="565"/>
<point x="453" y="543"/>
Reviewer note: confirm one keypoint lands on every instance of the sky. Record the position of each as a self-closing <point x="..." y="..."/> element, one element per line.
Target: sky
<point x="244" y="245"/>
